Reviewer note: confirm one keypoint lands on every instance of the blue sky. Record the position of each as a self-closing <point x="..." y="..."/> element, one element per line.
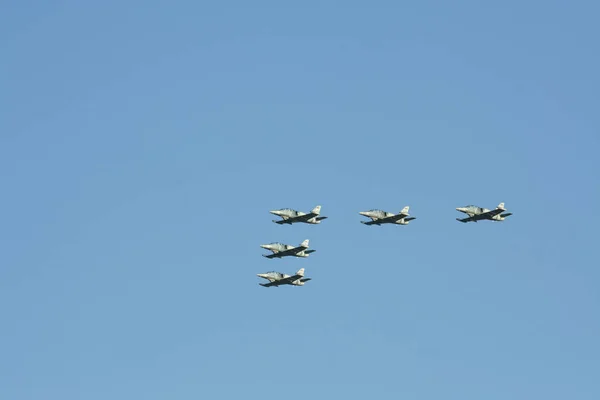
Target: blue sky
<point x="142" y="145"/>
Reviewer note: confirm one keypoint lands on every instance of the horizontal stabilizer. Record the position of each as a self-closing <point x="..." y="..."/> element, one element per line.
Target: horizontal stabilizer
<point x="463" y="221"/>
<point x="409" y="218"/>
<point x="309" y="251"/>
<point x="321" y="218"/>
<point x="305" y="279"/>
<point x="506" y="215"/>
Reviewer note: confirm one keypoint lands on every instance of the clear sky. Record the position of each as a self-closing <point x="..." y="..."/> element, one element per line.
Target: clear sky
<point x="142" y="144"/>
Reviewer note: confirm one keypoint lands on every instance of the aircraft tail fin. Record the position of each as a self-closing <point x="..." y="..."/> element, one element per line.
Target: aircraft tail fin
<point x="500" y="206"/>
<point x="316" y="210"/>
<point x="300" y="272"/>
<point x="405" y="210"/>
<point x="305" y="243"/>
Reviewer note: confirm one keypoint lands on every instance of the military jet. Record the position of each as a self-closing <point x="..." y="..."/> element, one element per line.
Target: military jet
<point x="476" y="213"/>
<point x="277" y="278"/>
<point x="285" y="250"/>
<point x="292" y="216"/>
<point x="379" y="217"/>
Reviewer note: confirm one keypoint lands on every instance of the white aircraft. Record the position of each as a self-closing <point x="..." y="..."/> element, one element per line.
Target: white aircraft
<point x="379" y="217"/>
<point x="285" y="250"/>
<point x="290" y="216"/>
<point x="277" y="278"/>
<point x="476" y="213"/>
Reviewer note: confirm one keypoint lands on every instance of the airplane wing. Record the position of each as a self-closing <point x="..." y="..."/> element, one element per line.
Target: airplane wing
<point x="470" y="219"/>
<point x="274" y="255"/>
<point x="372" y="222"/>
<point x="390" y="219"/>
<point x="397" y="217"/>
<point x="299" y="218"/>
<point x="288" y="252"/>
<point x="290" y="279"/>
<point x="274" y="283"/>
<point x="491" y="213"/>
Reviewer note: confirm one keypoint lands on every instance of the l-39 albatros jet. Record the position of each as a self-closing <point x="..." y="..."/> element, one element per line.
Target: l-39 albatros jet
<point x="476" y="213"/>
<point x="285" y="250"/>
<point x="277" y="278"/>
<point x="292" y="216"/>
<point x="379" y="217"/>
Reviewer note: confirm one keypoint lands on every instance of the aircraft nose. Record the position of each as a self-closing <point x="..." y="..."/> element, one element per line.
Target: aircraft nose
<point x="363" y="213"/>
<point x="274" y="212"/>
<point x="264" y="246"/>
<point x="461" y="209"/>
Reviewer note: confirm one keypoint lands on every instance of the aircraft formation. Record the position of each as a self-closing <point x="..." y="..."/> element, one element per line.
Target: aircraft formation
<point x="376" y="217"/>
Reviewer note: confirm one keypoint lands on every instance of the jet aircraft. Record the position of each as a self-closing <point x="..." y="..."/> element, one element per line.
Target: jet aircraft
<point x="290" y="216"/>
<point x="379" y="217"/>
<point x="284" y="250"/>
<point x="277" y="278"/>
<point x="476" y="213"/>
